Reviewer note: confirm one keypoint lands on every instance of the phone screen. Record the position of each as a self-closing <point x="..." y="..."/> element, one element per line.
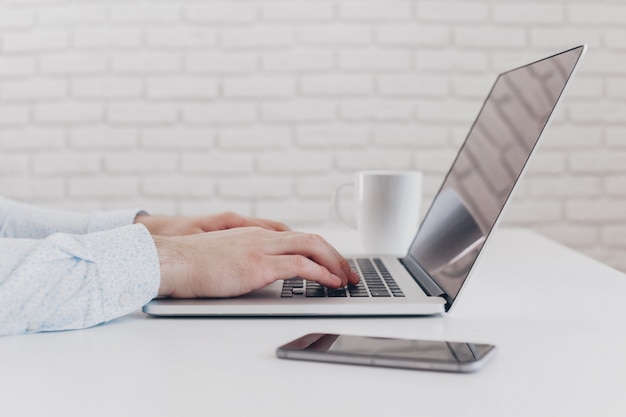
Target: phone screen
<point x="405" y="353"/>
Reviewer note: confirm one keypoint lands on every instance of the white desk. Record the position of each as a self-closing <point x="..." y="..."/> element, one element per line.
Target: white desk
<point x="557" y="317"/>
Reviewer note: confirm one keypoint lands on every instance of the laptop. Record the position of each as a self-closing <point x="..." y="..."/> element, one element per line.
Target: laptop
<point x="429" y="278"/>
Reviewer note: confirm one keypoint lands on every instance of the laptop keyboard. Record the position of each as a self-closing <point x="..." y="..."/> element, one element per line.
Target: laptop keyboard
<point x="376" y="281"/>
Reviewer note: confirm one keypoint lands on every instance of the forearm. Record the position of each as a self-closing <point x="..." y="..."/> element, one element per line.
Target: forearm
<point x="70" y="282"/>
<point x="19" y="220"/>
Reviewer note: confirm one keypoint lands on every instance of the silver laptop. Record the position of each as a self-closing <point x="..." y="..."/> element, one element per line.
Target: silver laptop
<point x="429" y="279"/>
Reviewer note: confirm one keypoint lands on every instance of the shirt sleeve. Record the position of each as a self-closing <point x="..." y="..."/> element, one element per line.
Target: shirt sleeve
<point x="19" y="220"/>
<point x="69" y="281"/>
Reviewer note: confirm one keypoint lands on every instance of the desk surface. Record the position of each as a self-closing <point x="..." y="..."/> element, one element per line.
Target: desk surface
<point x="557" y="318"/>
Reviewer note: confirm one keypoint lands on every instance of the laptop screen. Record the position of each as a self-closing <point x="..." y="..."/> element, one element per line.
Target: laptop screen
<point x="487" y="167"/>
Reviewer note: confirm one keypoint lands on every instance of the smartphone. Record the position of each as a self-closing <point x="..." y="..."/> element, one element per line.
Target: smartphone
<point x="429" y="355"/>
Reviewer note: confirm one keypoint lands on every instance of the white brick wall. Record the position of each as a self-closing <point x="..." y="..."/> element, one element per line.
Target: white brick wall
<point x="265" y="106"/>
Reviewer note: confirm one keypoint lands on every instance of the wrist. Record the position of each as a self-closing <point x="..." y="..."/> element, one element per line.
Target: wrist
<point x="169" y="258"/>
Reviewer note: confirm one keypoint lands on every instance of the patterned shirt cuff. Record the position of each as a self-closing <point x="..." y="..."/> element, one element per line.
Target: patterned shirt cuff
<point x="129" y="271"/>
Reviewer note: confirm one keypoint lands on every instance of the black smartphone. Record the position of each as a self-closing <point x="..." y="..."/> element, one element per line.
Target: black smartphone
<point x="429" y="355"/>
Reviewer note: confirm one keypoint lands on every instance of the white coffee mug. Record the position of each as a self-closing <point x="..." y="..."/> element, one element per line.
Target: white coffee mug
<point x="388" y="205"/>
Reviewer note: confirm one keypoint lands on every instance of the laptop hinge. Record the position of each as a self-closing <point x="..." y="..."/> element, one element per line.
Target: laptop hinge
<point x="420" y="276"/>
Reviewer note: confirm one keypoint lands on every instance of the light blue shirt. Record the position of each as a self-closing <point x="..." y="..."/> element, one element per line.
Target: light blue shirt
<point x="61" y="270"/>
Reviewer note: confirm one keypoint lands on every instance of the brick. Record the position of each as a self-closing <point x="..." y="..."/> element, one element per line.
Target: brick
<point x="258" y="87"/>
<point x="574" y="235"/>
<point x="181" y="37"/>
<point x="105" y="37"/>
<point x="335" y="34"/>
<point x="294" y="212"/>
<point x="528" y="13"/>
<point x="560" y="37"/>
<point x="597" y="13"/>
<point x="222" y="62"/>
<point x="410" y="135"/>
<point x="586" y="87"/>
<point x="103" y="187"/>
<point x="258" y="137"/>
<point x="413" y="85"/>
<point x="213" y="205"/>
<point x="603" y="111"/>
<point x="297" y="163"/>
<point x="377" y="109"/>
<point x="452" y="12"/>
<point x="472" y="86"/>
<point x="16" y="66"/>
<point x="614" y="235"/>
<point x="144" y="13"/>
<point x="32" y="138"/>
<point x="217" y="163"/>
<point x="570" y="136"/>
<point x="316" y="186"/>
<point x="616" y="87"/>
<point x="107" y="87"/>
<point x="435" y="160"/>
<point x="257" y="37"/>
<point x="16" y="18"/>
<point x="68" y="112"/>
<point x="11" y="114"/>
<point x="181" y="137"/>
<point x="448" y="110"/>
<point x="413" y="35"/>
<point x="141" y="112"/>
<point x="297" y="60"/>
<point x="444" y="60"/>
<point x="616" y="136"/>
<point x="65" y="163"/>
<point x="143" y="162"/>
<point x="489" y="36"/>
<point x="27" y="188"/>
<point x="73" y="63"/>
<point x="565" y="186"/>
<point x="548" y="163"/>
<point x="222" y="12"/>
<point x="297" y="11"/>
<point x="533" y="212"/>
<point x="335" y="84"/>
<point x="181" y="87"/>
<point x="254" y="187"/>
<point x="146" y="62"/>
<point x="298" y="111"/>
<point x="332" y="135"/>
<point x="72" y="13"/>
<point x="34" y="89"/>
<point x="372" y="159"/>
<point x="605" y="62"/>
<point x="595" y="211"/>
<point x="35" y="40"/>
<point x="599" y="161"/>
<point x="376" y="10"/>
<point x="375" y="59"/>
<point x="13" y="164"/>
<point x="615" y="186"/>
<point x="221" y="112"/>
<point x="102" y="137"/>
<point x="178" y="186"/>
<point x="614" y="38"/>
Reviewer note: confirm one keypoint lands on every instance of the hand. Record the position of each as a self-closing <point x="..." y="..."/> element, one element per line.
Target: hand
<point x="190" y="225"/>
<point x="234" y="262"/>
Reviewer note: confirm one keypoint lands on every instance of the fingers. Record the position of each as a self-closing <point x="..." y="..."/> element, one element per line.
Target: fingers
<point x="318" y="250"/>
<point x="289" y="266"/>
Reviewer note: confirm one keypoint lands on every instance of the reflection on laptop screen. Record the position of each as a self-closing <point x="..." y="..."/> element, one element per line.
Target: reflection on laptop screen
<point x="487" y="167"/>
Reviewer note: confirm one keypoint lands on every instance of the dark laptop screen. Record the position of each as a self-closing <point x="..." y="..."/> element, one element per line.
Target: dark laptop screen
<point x="487" y="167"/>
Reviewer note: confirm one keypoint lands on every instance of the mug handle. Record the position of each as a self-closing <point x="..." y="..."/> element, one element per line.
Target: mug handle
<point x="336" y="204"/>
